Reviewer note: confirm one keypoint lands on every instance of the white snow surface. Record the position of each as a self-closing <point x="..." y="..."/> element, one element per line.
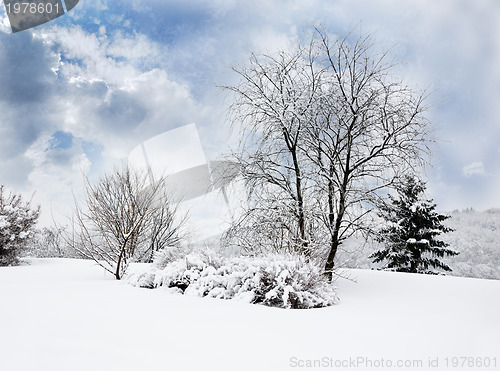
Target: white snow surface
<point x="63" y="314"/>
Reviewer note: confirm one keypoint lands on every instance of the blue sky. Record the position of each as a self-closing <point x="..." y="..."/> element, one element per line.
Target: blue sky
<point x="80" y="92"/>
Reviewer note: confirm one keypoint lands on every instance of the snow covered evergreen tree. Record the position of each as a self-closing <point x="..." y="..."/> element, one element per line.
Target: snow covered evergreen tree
<point x="17" y="222"/>
<point x="410" y="235"/>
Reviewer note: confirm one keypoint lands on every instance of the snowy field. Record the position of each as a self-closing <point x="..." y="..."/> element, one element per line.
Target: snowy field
<point x="62" y="314"/>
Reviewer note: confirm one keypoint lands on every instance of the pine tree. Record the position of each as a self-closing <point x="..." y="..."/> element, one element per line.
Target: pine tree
<point x="410" y="236"/>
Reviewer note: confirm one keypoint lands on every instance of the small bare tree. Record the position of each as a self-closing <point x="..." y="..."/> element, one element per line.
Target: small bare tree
<point x="164" y="230"/>
<point x="127" y="217"/>
<point x="325" y="127"/>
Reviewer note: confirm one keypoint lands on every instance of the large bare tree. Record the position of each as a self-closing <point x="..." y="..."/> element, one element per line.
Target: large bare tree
<point x="369" y="130"/>
<point x="326" y="127"/>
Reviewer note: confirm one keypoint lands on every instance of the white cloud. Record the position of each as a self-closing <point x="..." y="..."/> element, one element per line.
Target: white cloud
<point x="474" y="168"/>
<point x="4" y="22"/>
<point x="113" y="95"/>
<point x="106" y="91"/>
<point x="56" y="175"/>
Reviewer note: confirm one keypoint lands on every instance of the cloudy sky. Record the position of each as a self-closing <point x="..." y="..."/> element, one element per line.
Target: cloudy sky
<point x="79" y="93"/>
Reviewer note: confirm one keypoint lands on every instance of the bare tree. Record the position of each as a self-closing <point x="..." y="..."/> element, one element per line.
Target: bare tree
<point x="165" y="228"/>
<point x="331" y="127"/>
<point x="127" y="217"/>
<point x="370" y="131"/>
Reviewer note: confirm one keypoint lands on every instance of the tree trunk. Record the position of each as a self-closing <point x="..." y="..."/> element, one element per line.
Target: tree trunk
<point x="119" y="263"/>
<point x="300" y="202"/>
<point x="334" y="242"/>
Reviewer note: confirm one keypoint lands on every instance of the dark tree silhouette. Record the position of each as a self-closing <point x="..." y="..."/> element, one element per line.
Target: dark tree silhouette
<point x="410" y="236"/>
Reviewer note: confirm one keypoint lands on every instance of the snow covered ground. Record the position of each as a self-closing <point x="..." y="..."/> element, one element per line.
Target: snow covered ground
<point x="62" y="314"/>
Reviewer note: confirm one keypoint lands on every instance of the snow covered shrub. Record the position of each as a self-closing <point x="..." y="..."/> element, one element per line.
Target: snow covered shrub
<point x="17" y="221"/>
<point x="276" y="279"/>
<point x="476" y="236"/>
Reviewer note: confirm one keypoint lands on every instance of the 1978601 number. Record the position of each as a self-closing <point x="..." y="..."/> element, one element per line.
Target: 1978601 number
<point x="31" y="8"/>
<point x="471" y="362"/>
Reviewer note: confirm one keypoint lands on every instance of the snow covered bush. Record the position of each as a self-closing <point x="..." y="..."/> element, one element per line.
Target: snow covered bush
<point x="275" y="279"/>
<point x="476" y="236"/>
<point x="17" y="221"/>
